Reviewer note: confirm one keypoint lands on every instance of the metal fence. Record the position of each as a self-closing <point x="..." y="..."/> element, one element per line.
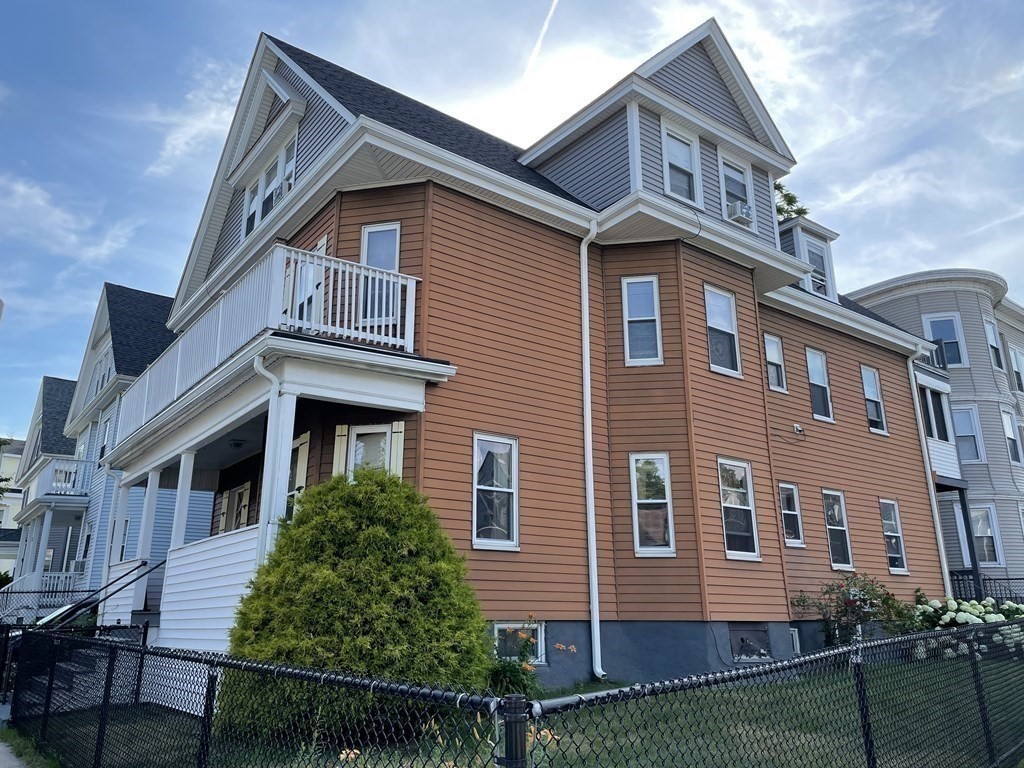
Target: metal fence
<point x="998" y="588"/>
<point x="940" y="699"/>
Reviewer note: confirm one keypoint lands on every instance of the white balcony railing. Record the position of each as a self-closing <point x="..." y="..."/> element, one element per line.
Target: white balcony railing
<point x="287" y="289"/>
<point x="945" y="460"/>
<point x="61" y="477"/>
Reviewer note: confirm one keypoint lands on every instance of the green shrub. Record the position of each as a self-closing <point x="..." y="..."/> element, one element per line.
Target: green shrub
<point x="363" y="579"/>
<point x="853" y="601"/>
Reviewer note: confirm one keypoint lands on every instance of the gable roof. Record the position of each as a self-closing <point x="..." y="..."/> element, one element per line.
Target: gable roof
<point x="56" y="402"/>
<point x="138" y="327"/>
<point x="13" y="448"/>
<point x="362" y="96"/>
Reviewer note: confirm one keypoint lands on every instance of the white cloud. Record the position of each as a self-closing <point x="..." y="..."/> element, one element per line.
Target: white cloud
<point x="201" y="121"/>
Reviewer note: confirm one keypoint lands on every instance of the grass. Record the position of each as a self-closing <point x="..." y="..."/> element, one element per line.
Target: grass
<point x="25" y="750"/>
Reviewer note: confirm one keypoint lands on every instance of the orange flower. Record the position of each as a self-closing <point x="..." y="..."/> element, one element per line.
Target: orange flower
<point x="528" y="667"/>
<point x="559" y="647"/>
<point x="522" y="635"/>
<point x="572" y="649"/>
<point x="531" y="616"/>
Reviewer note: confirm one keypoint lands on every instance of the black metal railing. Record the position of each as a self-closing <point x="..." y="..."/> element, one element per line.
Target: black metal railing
<point x="998" y="588"/>
<point x="937" y="357"/>
<point x="943" y="699"/>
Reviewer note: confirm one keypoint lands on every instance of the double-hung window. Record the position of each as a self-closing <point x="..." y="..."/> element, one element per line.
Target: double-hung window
<point x="738" y="518"/>
<point x="966" y="426"/>
<point x="985" y="530"/>
<point x="775" y="363"/>
<point x="792" y="523"/>
<point x="104" y="439"/>
<point x="821" y="393"/>
<point x="653" y="534"/>
<point x="1012" y="436"/>
<point x="641" y="320"/>
<point x="933" y="409"/>
<point x="995" y="351"/>
<point x="838" y="530"/>
<point x="235" y="508"/>
<point x="681" y="167"/>
<point x="873" y="399"/>
<point x="819" y="258"/>
<point x="1017" y="364"/>
<point x="893" y="533"/>
<point x="723" y="339"/>
<point x="946" y="328"/>
<point x="276" y="181"/>
<point x="369" y="447"/>
<point x="495" y="492"/>
<point x="737" y="194"/>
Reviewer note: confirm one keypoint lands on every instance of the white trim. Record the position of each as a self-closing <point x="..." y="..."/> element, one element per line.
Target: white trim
<point x="735" y="331"/>
<point x="846" y="529"/>
<point x="626" y="320"/>
<point x="636" y="176"/>
<point x="802" y="541"/>
<point x="993" y="343"/>
<point x="993" y="517"/>
<point x="1016" y="355"/>
<point x="784" y="389"/>
<point x="775" y="211"/>
<point x="382" y="227"/>
<point x="928" y="409"/>
<point x="498" y="544"/>
<point x="979" y="440"/>
<point x="865" y="369"/>
<point x="340" y="449"/>
<point x="831" y="418"/>
<point x="242" y="493"/>
<point x="899" y="532"/>
<point x="739" y="554"/>
<point x="926" y="320"/>
<point x="800" y="243"/>
<point x="538" y="660"/>
<point x="747" y="169"/>
<point x="367" y="429"/>
<point x="638" y="549"/>
<point x="302" y="465"/>
<point x="1011" y="431"/>
<point x="693" y="141"/>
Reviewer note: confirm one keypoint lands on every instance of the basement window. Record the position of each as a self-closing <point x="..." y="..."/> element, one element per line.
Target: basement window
<point x="749" y="641"/>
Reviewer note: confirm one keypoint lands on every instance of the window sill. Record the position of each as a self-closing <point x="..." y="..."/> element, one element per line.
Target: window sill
<point x="974" y="461"/>
<point x="780" y="391"/>
<point x="825" y="419"/>
<point x="726" y="372"/>
<point x="697" y="204"/>
<point x="796" y="545"/>
<point x="957" y="365"/>
<point x="848" y="568"/>
<point x="899" y="571"/>
<point x="643" y="363"/>
<point x="751" y="228"/>
<point x="492" y="547"/>
<point x="746" y="557"/>
<point x="882" y="432"/>
<point x="654" y="553"/>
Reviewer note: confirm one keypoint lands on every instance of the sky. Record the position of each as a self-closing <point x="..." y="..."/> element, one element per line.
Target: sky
<point x="905" y="119"/>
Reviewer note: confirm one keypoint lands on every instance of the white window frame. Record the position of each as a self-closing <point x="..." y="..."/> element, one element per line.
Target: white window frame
<point x="302" y="465"/>
<point x="865" y="370"/>
<point x="104" y="444"/>
<point x="926" y="321"/>
<point x="928" y="406"/>
<point x="962" y="534"/>
<point x="367" y="429"/>
<point x="808" y="351"/>
<point x="382" y="227"/>
<point x="748" y="172"/>
<point x="694" y="142"/>
<point x="730" y="554"/>
<point x="510" y="545"/>
<point x="735" y="331"/>
<point x="801" y="542"/>
<point x="800" y="242"/>
<point x="250" y="197"/>
<point x="899" y="532"/>
<point x="846" y="529"/>
<point x="538" y="659"/>
<point x="781" y="362"/>
<point x="626" y="319"/>
<point x="1016" y="372"/>
<point x="241" y="492"/>
<point x="979" y="440"/>
<point x="642" y="551"/>
<point x="995" y="347"/>
<point x="125" y="527"/>
<point x="1011" y="431"/>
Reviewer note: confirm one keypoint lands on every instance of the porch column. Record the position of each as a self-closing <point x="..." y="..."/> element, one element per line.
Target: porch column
<point x="148" y="514"/>
<point x="44" y="539"/>
<point x="118" y="512"/>
<point x="181" y="499"/>
<point x="965" y="512"/>
<point x="276" y="464"/>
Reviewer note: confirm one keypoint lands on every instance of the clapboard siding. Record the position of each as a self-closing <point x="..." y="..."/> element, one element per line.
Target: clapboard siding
<point x="787" y="244"/>
<point x="651" y="167"/>
<point x="693" y="77"/>
<point x="595" y="167"/>
<point x="203" y="585"/>
<point x="764" y="204"/>
<point x="230" y="232"/>
<point x="319" y="126"/>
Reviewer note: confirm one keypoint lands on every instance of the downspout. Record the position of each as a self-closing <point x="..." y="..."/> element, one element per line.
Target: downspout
<point x="588" y="456"/>
<point x="926" y="455"/>
<point x="271" y="447"/>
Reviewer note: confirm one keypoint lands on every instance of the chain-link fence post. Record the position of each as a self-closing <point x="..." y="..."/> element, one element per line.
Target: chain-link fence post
<point x="101" y="731"/>
<point x="514" y="709"/>
<point x="979" y="693"/>
<point x="48" y="699"/>
<point x="857" y="662"/>
<point x="206" y="727"/>
<point x="145" y="634"/>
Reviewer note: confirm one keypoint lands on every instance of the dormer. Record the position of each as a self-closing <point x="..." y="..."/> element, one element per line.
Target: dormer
<point x="812" y="244"/>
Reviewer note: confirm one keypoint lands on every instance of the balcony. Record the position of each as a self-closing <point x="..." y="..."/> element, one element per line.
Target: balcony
<point x="944" y="458"/>
<point x="59" y="477"/>
<point x="937" y="357"/>
<point x="288" y="290"/>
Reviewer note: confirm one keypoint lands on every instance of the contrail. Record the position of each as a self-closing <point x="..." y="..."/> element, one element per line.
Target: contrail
<point x="540" y="38"/>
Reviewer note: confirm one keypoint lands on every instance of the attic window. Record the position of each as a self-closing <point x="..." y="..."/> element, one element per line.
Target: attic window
<point x="818" y="254"/>
<point x="681" y="165"/>
<point x="274" y="183"/>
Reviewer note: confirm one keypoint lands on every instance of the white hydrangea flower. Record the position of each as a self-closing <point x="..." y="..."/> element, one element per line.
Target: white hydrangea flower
<point x="988" y="601"/>
<point x="951" y="604"/>
<point x="949" y="653"/>
<point x="962" y="649"/>
<point x="934" y="604"/>
<point x="932" y="644"/>
<point x="983" y="648"/>
<point x="963" y="617"/>
<point x="920" y="653"/>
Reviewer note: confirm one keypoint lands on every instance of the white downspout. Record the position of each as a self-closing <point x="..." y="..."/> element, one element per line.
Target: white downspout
<point x="926" y="455"/>
<point x="271" y="447"/>
<point x="588" y="456"/>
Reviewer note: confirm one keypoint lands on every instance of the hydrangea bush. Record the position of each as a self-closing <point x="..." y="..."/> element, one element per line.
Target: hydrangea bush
<point x="951" y="613"/>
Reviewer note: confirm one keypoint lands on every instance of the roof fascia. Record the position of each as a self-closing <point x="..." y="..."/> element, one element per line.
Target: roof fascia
<point x="811" y="226"/>
<point x="96" y="332"/>
<point x="310" y="81"/>
<point x="934" y="279"/>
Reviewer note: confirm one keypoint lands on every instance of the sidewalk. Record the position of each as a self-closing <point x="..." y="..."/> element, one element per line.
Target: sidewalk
<point x="7" y="758"/>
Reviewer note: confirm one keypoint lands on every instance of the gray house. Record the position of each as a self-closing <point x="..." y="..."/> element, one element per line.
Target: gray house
<point x="982" y="335"/>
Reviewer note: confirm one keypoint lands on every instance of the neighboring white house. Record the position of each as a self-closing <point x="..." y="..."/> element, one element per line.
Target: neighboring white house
<point x="10" y="505"/>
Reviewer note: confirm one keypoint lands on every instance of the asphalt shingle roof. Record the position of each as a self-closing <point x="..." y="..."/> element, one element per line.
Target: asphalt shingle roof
<point x="138" y="327"/>
<point x="57" y="395"/>
<point x="377" y="102"/>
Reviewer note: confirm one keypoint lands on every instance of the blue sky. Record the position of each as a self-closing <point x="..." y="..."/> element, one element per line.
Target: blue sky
<point x="904" y="116"/>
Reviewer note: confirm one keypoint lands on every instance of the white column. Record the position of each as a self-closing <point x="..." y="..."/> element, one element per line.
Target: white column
<point x="118" y="513"/>
<point x="44" y="538"/>
<point x="277" y="458"/>
<point x="145" y="544"/>
<point x="181" y="498"/>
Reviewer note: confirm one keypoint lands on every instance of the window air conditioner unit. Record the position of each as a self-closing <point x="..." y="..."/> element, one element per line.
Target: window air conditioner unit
<point x="741" y="213"/>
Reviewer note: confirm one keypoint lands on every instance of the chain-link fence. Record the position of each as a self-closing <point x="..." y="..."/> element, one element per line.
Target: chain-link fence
<point x="946" y="698"/>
